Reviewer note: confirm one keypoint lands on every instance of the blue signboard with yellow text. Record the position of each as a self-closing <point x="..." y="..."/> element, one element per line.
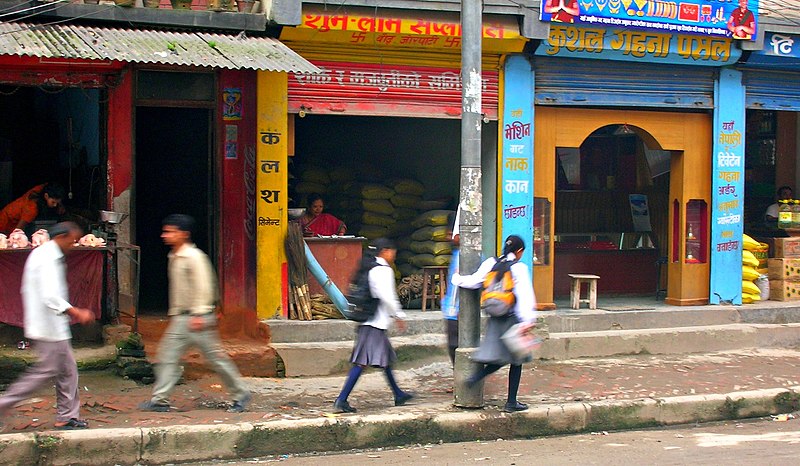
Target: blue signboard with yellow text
<point x="738" y="20"/>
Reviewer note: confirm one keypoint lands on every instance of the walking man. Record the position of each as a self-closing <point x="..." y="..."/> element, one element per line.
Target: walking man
<point x="47" y="317"/>
<point x="193" y="322"/>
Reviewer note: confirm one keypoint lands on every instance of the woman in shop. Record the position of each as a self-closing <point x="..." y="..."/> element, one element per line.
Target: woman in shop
<point x="493" y="353"/>
<point x="316" y="223"/>
<point x="39" y="202"/>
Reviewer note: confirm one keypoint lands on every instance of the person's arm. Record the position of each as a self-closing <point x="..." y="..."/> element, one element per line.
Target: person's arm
<point x="523" y="292"/>
<point x="342" y="228"/>
<point x="28" y="214"/>
<point x="474" y="281"/>
<point x="204" y="284"/>
<point x="381" y="285"/>
<point x="571" y="7"/>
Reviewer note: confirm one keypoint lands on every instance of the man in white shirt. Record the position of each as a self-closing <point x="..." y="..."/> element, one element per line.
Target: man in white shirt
<point x="47" y="318"/>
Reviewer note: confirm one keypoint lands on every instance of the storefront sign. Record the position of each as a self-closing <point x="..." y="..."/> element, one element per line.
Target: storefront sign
<point x="712" y="18"/>
<point x="727" y="195"/>
<point x="780" y="51"/>
<point x="346" y="86"/>
<point x="516" y="187"/>
<point x="434" y="30"/>
<point x="631" y="45"/>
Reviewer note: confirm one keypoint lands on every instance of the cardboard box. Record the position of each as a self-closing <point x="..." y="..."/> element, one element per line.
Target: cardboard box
<point x="786" y="247"/>
<point x="784" y="290"/>
<point x="784" y="269"/>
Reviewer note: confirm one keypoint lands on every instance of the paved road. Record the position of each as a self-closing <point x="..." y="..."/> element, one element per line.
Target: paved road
<point x="762" y="442"/>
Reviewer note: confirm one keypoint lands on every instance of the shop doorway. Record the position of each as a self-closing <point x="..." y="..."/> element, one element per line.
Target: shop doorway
<point x="612" y="211"/>
<point x="684" y="139"/>
<point x="173" y="173"/>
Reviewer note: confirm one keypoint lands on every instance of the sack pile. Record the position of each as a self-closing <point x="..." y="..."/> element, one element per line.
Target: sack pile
<point x="430" y="242"/>
<point x="752" y="275"/>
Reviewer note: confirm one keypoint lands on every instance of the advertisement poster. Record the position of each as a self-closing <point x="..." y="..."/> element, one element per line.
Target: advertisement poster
<point x="737" y="20"/>
<point x="727" y="193"/>
<point x="516" y="186"/>
<point x="640" y="212"/>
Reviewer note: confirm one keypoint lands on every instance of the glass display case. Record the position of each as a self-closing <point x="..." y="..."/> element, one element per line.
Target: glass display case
<point x="696" y="232"/>
<point x="541" y="231"/>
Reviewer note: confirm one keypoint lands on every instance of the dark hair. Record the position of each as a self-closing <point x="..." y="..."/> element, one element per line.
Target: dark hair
<point x="383" y="243"/>
<point x="782" y="188"/>
<point x="512" y="244"/>
<point x="182" y="221"/>
<point x="372" y="251"/>
<point x="63" y="228"/>
<point x="54" y="191"/>
<point x="314" y="197"/>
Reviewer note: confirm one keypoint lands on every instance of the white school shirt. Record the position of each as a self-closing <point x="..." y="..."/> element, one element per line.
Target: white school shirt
<point x="382" y="286"/>
<point x="525" y="306"/>
<point x="44" y="294"/>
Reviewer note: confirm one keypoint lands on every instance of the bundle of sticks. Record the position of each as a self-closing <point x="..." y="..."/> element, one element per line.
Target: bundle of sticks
<point x="299" y="302"/>
<point x="323" y="308"/>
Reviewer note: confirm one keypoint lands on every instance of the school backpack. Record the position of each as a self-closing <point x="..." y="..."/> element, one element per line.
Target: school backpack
<point x="497" y="297"/>
<point x="362" y="304"/>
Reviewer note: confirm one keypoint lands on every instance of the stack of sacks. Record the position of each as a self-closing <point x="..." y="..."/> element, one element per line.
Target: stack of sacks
<point x="750" y="291"/>
<point x="313" y="179"/>
<point x="377" y="217"/>
<point x="431" y="241"/>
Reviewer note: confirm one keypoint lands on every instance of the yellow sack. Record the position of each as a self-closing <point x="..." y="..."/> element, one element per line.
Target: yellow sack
<point x="749" y="273"/>
<point x="749" y="244"/>
<point x="749" y="259"/>
<point x="749" y="298"/>
<point x="750" y="287"/>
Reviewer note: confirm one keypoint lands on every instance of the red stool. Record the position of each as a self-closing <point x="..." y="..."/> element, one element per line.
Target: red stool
<point x="434" y="285"/>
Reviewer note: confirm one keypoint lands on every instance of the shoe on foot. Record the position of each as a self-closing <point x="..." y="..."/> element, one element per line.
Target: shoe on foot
<point x="239" y="406"/>
<point x="73" y="424"/>
<point x="403" y="398"/>
<point x="155" y="407"/>
<point x="514" y="407"/>
<point x="342" y="406"/>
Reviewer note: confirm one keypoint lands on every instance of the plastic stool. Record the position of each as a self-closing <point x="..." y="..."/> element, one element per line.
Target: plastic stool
<point x="575" y="292"/>
<point x="434" y="278"/>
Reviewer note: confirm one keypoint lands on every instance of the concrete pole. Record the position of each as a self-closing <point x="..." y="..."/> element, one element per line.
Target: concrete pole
<point x="469" y="200"/>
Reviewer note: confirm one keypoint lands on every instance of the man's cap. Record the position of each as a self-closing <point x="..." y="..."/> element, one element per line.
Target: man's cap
<point x="383" y="243"/>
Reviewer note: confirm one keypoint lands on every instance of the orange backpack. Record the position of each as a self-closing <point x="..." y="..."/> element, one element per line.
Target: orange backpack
<point x="497" y="297"/>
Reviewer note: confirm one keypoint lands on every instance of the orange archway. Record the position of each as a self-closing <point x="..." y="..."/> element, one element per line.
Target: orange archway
<point x="686" y="135"/>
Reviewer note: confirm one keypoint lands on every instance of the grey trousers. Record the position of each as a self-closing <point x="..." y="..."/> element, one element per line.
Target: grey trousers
<point x="176" y="340"/>
<point x="55" y="361"/>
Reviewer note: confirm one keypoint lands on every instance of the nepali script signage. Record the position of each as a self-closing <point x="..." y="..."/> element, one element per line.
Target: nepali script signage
<point x="356" y="87"/>
<point x="727" y="194"/>
<point x="516" y="183"/>
<point x="630" y="45"/>
<point x="737" y="20"/>
<point x="434" y="30"/>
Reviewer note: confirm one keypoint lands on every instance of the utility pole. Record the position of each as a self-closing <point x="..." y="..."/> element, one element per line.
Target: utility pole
<point x="469" y="201"/>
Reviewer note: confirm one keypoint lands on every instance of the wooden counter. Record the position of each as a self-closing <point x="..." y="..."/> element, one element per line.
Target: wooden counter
<point x="627" y="271"/>
<point x="339" y="258"/>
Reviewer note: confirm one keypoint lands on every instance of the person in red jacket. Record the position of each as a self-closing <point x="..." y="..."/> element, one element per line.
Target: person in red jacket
<point x="742" y="22"/>
<point x="39" y="200"/>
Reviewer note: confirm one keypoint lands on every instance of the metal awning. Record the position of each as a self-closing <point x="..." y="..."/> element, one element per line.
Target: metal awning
<point x="151" y="46"/>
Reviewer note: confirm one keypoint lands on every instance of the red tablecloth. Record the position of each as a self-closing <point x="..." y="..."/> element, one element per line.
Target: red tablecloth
<point x="84" y="278"/>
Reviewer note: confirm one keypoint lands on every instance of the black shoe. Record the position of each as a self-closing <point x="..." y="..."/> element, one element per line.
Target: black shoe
<point x="73" y="424"/>
<point x="514" y="407"/>
<point x="240" y="406"/>
<point x="342" y="406"/>
<point x="155" y="407"/>
<point x="403" y="398"/>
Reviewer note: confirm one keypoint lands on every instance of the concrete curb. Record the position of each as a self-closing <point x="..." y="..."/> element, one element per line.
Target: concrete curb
<point x="244" y="440"/>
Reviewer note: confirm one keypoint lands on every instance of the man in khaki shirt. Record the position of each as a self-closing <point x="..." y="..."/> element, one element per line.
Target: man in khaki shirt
<point x="192" y="300"/>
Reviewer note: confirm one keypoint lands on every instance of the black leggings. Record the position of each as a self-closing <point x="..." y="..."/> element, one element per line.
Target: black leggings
<point x="514" y="376"/>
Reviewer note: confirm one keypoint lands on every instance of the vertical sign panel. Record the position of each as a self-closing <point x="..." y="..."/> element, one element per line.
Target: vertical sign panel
<point x="516" y="181"/>
<point x="271" y="191"/>
<point x="727" y="196"/>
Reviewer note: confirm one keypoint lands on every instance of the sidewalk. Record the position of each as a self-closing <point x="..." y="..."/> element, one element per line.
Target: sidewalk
<point x="290" y="416"/>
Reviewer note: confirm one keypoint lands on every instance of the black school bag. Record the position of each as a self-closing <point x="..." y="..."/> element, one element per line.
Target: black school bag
<point x="362" y="305"/>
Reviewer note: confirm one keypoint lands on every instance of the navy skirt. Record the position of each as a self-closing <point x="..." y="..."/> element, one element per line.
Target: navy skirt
<point x="492" y="349"/>
<point x="372" y="348"/>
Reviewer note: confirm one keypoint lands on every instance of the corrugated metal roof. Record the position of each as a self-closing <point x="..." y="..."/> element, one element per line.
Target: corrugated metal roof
<point x="151" y="46"/>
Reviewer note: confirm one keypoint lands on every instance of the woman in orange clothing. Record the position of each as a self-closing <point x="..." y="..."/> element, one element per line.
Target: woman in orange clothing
<point x="41" y="199"/>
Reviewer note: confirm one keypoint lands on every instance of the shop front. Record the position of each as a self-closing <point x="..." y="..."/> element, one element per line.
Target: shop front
<point x="623" y="148"/>
<point x="377" y="134"/>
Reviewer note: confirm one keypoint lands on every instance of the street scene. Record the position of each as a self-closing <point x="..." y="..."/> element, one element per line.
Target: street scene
<point x="285" y="230"/>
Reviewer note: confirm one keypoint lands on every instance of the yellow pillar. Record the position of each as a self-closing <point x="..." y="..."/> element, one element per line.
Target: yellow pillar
<point x="271" y="191"/>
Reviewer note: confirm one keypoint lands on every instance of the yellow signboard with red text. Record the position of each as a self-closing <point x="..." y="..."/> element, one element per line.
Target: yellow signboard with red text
<point x="436" y="30"/>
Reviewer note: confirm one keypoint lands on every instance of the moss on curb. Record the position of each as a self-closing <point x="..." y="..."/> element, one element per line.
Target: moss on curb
<point x="618" y="418"/>
<point x="730" y="408"/>
<point x="787" y="402"/>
